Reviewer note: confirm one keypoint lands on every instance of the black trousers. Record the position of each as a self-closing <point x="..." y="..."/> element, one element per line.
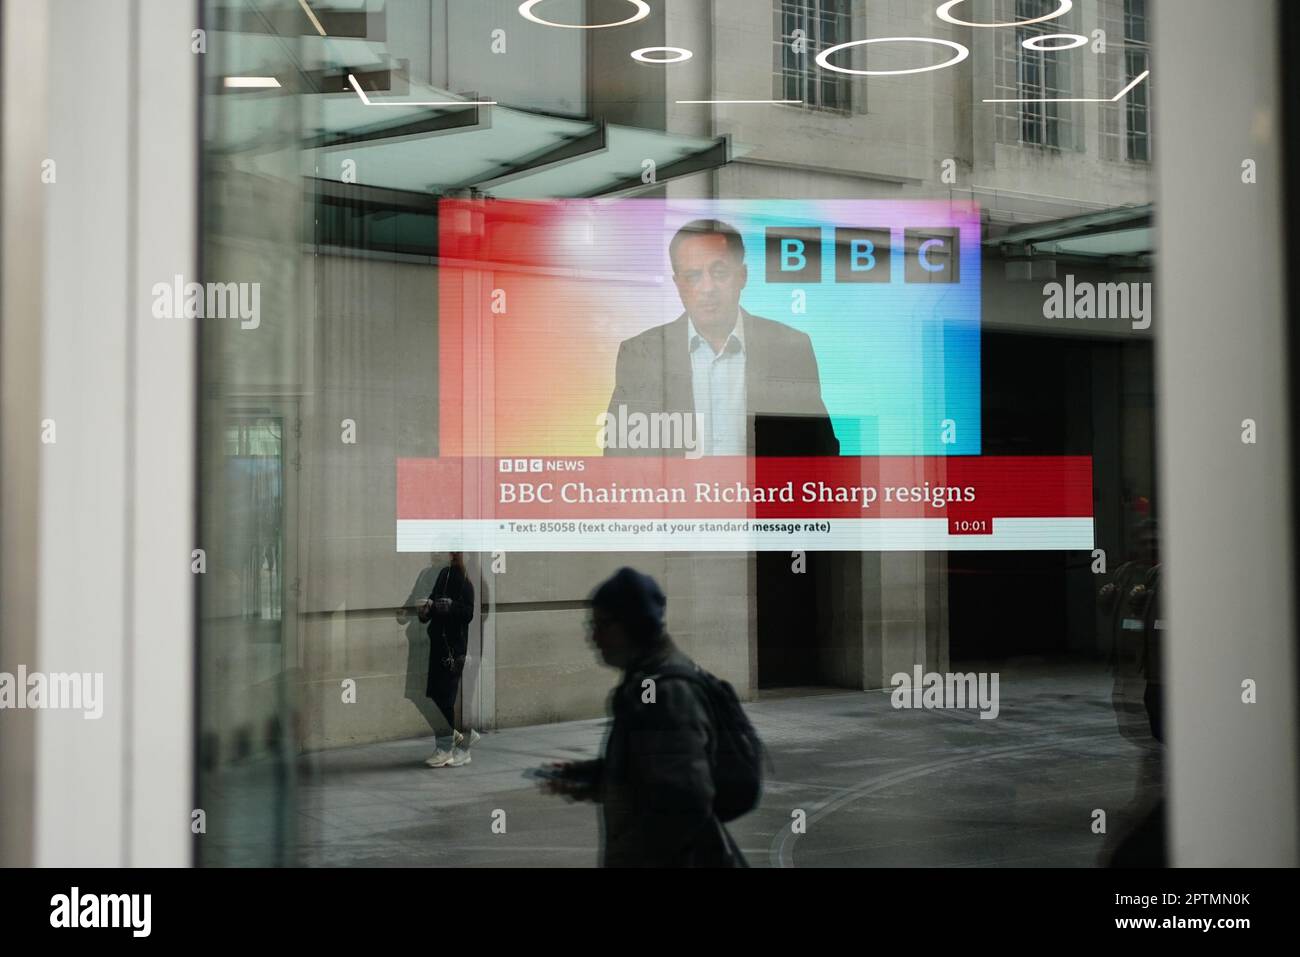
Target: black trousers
<point x="443" y="687"/>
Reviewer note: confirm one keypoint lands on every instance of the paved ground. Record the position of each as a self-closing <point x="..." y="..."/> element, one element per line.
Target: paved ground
<point x="880" y="787"/>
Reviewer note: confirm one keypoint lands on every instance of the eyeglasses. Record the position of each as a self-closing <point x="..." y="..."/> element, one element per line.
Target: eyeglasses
<point x="718" y="272"/>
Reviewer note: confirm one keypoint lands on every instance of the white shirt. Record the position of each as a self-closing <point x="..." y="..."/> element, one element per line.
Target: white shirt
<point x="718" y="380"/>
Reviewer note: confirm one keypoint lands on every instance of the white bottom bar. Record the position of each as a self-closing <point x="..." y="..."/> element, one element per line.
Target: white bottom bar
<point x="739" y="535"/>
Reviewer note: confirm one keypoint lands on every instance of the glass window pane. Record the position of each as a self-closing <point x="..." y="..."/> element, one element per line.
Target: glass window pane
<point x="486" y="279"/>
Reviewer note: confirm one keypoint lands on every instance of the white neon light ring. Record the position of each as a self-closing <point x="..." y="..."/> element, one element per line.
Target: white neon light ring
<point x="943" y="14"/>
<point x="1036" y="43"/>
<point x="823" y="58"/>
<point x="526" y="11"/>
<point x="643" y="55"/>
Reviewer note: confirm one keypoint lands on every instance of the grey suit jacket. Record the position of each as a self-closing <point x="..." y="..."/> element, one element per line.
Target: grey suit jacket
<point x="782" y="388"/>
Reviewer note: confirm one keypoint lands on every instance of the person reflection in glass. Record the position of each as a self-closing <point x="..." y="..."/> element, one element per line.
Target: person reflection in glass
<point x="448" y="610"/>
<point x="417" y="641"/>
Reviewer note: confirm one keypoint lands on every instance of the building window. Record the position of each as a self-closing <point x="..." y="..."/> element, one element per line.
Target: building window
<point x="1032" y="74"/>
<point x="1137" y="60"/>
<point x="254" y="467"/>
<point x="796" y="76"/>
<point x="1125" y="127"/>
<point x="1110" y="142"/>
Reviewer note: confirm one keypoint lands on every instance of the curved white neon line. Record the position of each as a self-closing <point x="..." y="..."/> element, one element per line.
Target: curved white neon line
<point x="641" y="55"/>
<point x="526" y="11"/>
<point x="943" y="14"/>
<point x="1035" y="43"/>
<point x="823" y="58"/>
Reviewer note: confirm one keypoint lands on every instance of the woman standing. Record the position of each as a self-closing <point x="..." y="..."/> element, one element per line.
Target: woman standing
<point x="449" y="610"/>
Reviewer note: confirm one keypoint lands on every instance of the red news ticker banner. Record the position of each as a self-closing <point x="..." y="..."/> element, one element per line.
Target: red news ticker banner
<point x="745" y="504"/>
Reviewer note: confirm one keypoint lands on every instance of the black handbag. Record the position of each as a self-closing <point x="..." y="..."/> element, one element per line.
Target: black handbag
<point x="454" y="663"/>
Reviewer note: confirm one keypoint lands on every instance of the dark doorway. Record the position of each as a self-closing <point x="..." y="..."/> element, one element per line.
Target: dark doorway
<point x="789" y="621"/>
<point x="809" y="622"/>
<point x="1053" y="395"/>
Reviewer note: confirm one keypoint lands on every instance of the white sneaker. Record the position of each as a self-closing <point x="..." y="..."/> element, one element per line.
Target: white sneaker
<point x="439" y="759"/>
<point x="460" y="757"/>
<point x="459" y="739"/>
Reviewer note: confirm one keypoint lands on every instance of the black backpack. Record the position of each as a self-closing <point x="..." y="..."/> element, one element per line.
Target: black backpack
<point x="738" y="751"/>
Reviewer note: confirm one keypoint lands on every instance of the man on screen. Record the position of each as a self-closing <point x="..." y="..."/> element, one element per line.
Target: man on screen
<point x="718" y="366"/>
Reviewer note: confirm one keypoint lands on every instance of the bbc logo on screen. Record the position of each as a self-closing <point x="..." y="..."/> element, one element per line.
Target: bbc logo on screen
<point x="930" y="255"/>
<point x="520" y="465"/>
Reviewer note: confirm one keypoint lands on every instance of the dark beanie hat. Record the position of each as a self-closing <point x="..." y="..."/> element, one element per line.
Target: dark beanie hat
<point x="634" y="599"/>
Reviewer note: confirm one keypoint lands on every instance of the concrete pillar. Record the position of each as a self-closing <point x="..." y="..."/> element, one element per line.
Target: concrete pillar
<point x="1221" y="353"/>
<point x="904" y="601"/>
<point x="23" y="37"/>
<point x="97" y="568"/>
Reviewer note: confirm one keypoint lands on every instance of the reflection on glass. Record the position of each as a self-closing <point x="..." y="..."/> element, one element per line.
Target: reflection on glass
<point x="932" y="333"/>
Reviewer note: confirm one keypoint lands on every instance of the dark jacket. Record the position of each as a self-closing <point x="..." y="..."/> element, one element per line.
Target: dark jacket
<point x="783" y="391"/>
<point x="655" y="781"/>
<point x="451" y="631"/>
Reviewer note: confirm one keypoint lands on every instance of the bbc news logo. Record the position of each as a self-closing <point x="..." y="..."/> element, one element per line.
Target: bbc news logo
<point x="520" y="465"/>
<point x="541" y="465"/>
<point x="862" y="254"/>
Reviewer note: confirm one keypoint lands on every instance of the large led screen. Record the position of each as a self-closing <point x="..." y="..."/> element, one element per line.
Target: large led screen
<point x="665" y="374"/>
